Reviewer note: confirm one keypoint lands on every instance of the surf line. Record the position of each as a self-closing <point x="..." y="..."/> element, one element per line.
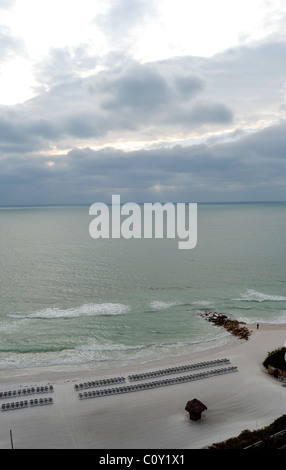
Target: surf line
<point x="148" y="220"/>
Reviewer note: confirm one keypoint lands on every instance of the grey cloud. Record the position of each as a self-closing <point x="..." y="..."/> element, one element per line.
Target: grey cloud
<point x="189" y="85"/>
<point x="85" y="125"/>
<point x="130" y="101"/>
<point x="275" y="21"/>
<point x="216" y="113"/>
<point x="228" y="162"/>
<point x="138" y="86"/>
<point x="149" y="101"/>
<point x="243" y="169"/>
<point x="122" y="18"/>
<point x="201" y="114"/>
<point x="10" y="45"/>
<point x="146" y="96"/>
<point x="227" y="136"/>
<point x="22" y="131"/>
<point x="251" y="78"/>
<point x="7" y="4"/>
<point x="248" y="79"/>
<point x="64" y="65"/>
<point x="124" y="14"/>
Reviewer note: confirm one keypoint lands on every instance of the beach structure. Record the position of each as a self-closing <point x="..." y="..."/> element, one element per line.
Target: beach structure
<point x="277" y="372"/>
<point x="275" y="363"/>
<point x="195" y="408"/>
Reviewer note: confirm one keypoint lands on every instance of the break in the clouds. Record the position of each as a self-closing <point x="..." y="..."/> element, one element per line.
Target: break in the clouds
<point x="115" y="108"/>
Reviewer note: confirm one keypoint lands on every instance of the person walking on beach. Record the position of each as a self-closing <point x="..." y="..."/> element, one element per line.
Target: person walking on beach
<point x="257" y="326"/>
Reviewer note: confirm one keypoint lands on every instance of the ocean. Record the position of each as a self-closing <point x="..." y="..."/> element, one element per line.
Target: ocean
<point x="68" y="299"/>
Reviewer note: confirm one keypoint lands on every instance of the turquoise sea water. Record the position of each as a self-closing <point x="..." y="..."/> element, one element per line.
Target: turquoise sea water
<point x="69" y="299"/>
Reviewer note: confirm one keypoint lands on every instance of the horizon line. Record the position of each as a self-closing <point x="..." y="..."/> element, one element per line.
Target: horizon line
<point x="139" y="203"/>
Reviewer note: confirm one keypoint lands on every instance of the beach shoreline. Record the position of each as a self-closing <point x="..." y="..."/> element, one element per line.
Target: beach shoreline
<point x="150" y="419"/>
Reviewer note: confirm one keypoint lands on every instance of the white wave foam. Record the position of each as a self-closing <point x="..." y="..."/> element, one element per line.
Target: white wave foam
<point x="158" y="304"/>
<point x="242" y="307"/>
<point x="278" y="318"/>
<point x="107" y="347"/>
<point x="254" y="296"/>
<point x="281" y="318"/>
<point x="83" y="310"/>
<point x="4" y="327"/>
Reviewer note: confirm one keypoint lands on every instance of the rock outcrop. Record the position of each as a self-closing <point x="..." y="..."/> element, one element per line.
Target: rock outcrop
<point x="234" y="327"/>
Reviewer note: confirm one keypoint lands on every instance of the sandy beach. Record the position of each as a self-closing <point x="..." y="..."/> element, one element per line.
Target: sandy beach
<point x="149" y="419"/>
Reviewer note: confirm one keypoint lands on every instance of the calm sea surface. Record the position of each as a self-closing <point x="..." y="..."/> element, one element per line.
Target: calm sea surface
<point x="69" y="299"/>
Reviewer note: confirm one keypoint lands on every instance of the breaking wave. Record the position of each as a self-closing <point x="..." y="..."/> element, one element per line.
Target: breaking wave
<point x="158" y="304"/>
<point x="108" y="347"/>
<point x="277" y="318"/>
<point x="203" y="303"/>
<point x="254" y="296"/>
<point x="83" y="310"/>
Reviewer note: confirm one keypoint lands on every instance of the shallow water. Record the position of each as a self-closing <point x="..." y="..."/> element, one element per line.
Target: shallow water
<point x="70" y="299"/>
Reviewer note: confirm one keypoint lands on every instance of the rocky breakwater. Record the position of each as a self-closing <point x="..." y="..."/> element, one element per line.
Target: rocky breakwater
<point x="234" y="327"/>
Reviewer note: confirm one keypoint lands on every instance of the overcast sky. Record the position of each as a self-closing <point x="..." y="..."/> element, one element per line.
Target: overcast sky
<point x="155" y="100"/>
